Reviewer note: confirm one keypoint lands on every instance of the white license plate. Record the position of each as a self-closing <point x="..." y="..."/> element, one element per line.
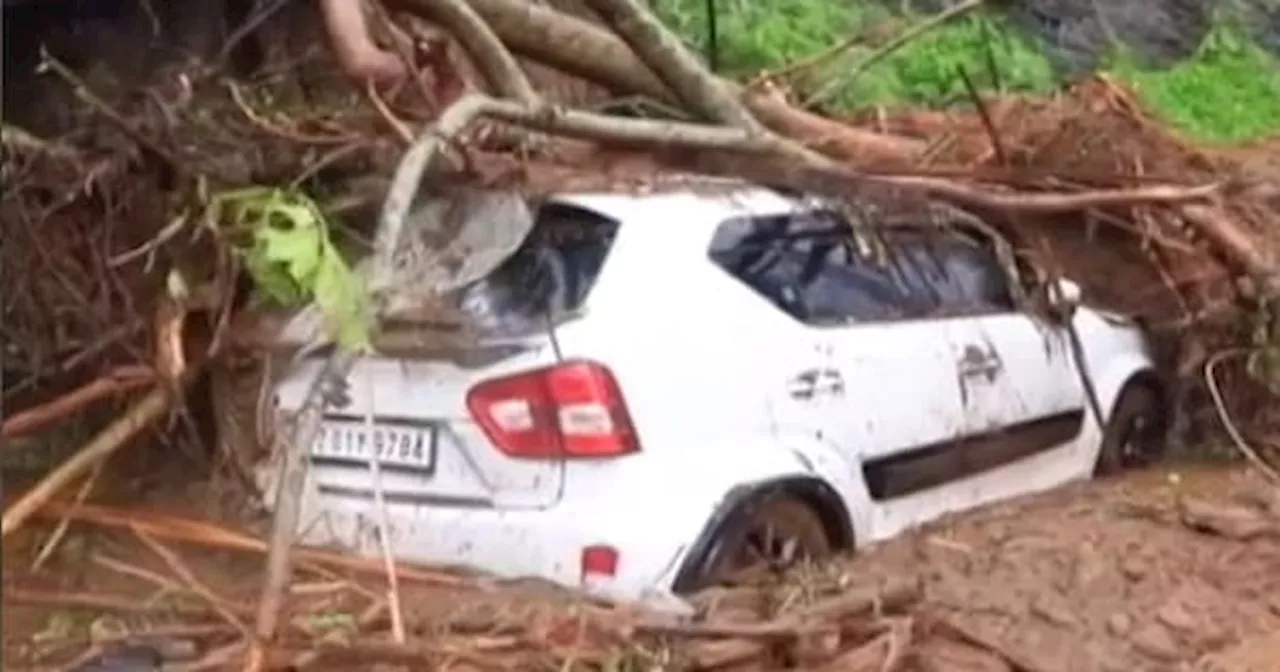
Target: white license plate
<point x="410" y="447"/>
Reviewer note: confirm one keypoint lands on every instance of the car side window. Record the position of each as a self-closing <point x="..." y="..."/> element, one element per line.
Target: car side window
<point x="809" y="265"/>
<point x="959" y="269"/>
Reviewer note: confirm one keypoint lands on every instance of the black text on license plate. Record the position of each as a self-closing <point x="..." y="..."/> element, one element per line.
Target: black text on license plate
<point x="395" y="446"/>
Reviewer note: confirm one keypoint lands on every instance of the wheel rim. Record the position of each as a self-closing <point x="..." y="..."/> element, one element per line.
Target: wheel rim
<point x="768" y="545"/>
<point x="1133" y="442"/>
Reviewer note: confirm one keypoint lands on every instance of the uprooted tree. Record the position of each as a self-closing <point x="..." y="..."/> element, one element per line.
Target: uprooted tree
<point x="1188" y="239"/>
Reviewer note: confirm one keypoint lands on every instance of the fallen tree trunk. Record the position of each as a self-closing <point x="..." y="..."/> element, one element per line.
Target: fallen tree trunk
<point x="581" y="48"/>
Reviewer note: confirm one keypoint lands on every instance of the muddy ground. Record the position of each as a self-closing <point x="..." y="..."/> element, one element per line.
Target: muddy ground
<point x="1170" y="569"/>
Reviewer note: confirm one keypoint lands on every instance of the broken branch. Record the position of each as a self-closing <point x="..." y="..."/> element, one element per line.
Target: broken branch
<point x="496" y="64"/>
<point x="119" y="381"/>
<point x="665" y="55"/>
<point x="109" y="440"/>
<point x="581" y="48"/>
<point x="210" y="535"/>
<point x="915" y="31"/>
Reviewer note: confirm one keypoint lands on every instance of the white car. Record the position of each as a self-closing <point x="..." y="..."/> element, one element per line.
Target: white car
<point x="674" y="385"/>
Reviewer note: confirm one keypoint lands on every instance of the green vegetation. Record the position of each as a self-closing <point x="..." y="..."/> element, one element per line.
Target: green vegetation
<point x="1228" y="90"/>
<point x="283" y="240"/>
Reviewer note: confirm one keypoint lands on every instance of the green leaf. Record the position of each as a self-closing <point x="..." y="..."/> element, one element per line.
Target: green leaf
<point x="291" y="259"/>
<point x="341" y="298"/>
<point x="299" y="250"/>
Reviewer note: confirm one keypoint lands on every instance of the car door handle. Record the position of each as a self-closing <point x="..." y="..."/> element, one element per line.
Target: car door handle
<point x="810" y="383"/>
<point x="976" y="363"/>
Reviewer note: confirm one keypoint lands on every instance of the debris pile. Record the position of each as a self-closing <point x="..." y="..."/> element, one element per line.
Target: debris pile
<point x="128" y="273"/>
<point x="1130" y="579"/>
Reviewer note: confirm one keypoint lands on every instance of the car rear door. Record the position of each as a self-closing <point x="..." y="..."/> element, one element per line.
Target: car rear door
<point x="411" y="409"/>
<point x="902" y="409"/>
<point x="769" y="253"/>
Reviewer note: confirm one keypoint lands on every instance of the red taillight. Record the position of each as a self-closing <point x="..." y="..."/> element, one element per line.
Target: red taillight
<point x="573" y="409"/>
<point x="599" y="561"/>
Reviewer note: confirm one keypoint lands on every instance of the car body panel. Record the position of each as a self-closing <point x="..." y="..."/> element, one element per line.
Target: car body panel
<point x="727" y="392"/>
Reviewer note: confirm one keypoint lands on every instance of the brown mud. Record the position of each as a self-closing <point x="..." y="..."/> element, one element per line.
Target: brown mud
<point x="1168" y="569"/>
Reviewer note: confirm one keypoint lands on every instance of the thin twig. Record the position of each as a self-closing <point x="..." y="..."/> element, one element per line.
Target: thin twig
<point x="384" y="523"/>
<point x="110" y="439"/>
<point x="890" y="48"/>
<point x="261" y="122"/>
<point x="328" y="159"/>
<point x="984" y="114"/>
<point x="125" y="604"/>
<point x="820" y="58"/>
<point x="251" y="24"/>
<point x="173" y="228"/>
<point x="50" y="545"/>
<point x="1237" y="438"/>
<point x="401" y="129"/>
<point x="177" y="566"/>
<point x="120" y="381"/>
<point x="210" y="535"/>
<point x="82" y="91"/>
<point x="163" y="583"/>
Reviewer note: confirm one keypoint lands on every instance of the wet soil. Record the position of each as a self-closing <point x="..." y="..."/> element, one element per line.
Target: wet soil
<point x="1121" y="575"/>
<point x="1106" y="576"/>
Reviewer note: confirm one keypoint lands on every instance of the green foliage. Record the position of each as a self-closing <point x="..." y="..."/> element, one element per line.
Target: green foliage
<point x="283" y="239"/>
<point x="924" y="71"/>
<point x="755" y="35"/>
<point x="1228" y="90"/>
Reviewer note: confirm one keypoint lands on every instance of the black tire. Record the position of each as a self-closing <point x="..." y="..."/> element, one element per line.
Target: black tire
<point x="774" y="533"/>
<point x="1135" y="433"/>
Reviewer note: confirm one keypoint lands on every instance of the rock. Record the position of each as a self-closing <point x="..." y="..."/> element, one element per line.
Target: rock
<point x="1265" y="499"/>
<point x="1054" y="609"/>
<point x="1155" y="641"/>
<point x="1120" y="624"/>
<point x="1255" y="654"/>
<point x="945" y="655"/>
<point x="1175" y="614"/>
<point x="1233" y="522"/>
<point x="1133" y="568"/>
<point x="124" y="659"/>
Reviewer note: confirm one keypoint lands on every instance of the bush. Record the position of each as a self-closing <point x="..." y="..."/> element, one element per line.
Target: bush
<point x="1228" y="90"/>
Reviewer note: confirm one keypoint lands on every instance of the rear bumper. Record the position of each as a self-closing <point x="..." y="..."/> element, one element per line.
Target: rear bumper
<point x="546" y="543"/>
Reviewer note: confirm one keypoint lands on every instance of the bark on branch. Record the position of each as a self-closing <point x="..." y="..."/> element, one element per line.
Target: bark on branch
<point x="109" y="440"/>
<point x="122" y="380"/>
<point x="658" y="48"/>
<point x="581" y="48"/>
<point x="495" y="62"/>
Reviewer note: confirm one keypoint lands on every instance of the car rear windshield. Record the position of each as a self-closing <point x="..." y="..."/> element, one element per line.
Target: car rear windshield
<point x="548" y="277"/>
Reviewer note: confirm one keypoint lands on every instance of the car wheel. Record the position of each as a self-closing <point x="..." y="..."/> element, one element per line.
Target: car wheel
<point x="772" y="534"/>
<point x="1134" y="434"/>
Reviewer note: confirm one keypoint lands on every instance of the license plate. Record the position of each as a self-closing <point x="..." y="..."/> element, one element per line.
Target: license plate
<point x="402" y="446"/>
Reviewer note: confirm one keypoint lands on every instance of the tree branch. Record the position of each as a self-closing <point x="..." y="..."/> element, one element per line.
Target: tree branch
<point x="119" y="381"/>
<point x="581" y="48"/>
<point x="109" y="440"/>
<point x="663" y="52"/>
<point x="497" y="64"/>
